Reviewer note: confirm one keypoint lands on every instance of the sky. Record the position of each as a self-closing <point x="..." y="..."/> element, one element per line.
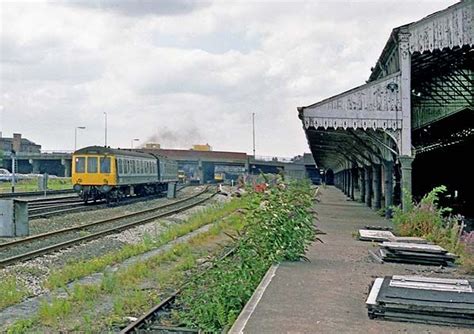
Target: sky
<point x="182" y="72"/>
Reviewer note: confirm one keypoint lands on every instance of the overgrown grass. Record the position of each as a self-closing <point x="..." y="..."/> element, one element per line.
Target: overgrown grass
<point x="31" y="184"/>
<point x="11" y="291"/>
<point x="427" y="219"/>
<point x="278" y="226"/>
<point x="77" y="270"/>
<point x="125" y="286"/>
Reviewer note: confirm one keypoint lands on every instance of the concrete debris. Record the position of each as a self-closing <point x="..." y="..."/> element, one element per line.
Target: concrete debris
<point x="415" y="253"/>
<point x="375" y="235"/>
<point x="386" y="235"/>
<point x="440" y="301"/>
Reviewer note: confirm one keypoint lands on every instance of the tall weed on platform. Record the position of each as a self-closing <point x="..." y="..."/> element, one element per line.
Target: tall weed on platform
<point x="278" y="226"/>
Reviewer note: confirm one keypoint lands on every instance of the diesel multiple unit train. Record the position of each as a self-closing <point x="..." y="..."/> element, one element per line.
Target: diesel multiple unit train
<point x="105" y="173"/>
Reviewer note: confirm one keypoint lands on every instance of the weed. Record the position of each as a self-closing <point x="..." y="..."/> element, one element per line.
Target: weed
<point x="11" y="291"/>
<point x="278" y="226"/>
<point x="21" y="326"/>
<point x="52" y="313"/>
<point x="427" y="219"/>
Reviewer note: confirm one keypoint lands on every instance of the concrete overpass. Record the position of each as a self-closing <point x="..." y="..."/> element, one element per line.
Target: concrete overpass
<point x="417" y="102"/>
<point x="200" y="164"/>
<point x="54" y="163"/>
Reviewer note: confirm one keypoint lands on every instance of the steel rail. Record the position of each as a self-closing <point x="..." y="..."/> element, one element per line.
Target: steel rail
<point x="55" y="206"/>
<point x="98" y="222"/>
<point x="50" y="199"/>
<point x="90" y="205"/>
<point x="150" y="314"/>
<point x="35" y="193"/>
<point x="148" y="317"/>
<point x="48" y="249"/>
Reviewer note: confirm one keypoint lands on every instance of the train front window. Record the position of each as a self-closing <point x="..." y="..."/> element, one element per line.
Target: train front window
<point x="91" y="165"/>
<point x="105" y="165"/>
<point x="80" y="165"/>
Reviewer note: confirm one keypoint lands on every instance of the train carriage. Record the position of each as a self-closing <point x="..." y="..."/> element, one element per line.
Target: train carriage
<point x="102" y="172"/>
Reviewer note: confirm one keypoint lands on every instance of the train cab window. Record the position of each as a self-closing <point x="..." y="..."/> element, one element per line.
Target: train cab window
<point x="91" y="165"/>
<point x="105" y="165"/>
<point x="80" y="165"/>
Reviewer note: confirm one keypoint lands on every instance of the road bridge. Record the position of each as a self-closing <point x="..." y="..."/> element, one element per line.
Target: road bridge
<point x="202" y="164"/>
<point x="414" y="116"/>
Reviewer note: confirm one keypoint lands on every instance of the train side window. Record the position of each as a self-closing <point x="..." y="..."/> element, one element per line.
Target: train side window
<point x="120" y="166"/>
<point x="139" y="166"/>
<point x="134" y="167"/>
<point x="91" y="165"/>
<point x="80" y="165"/>
<point x="126" y="164"/>
<point x="105" y="165"/>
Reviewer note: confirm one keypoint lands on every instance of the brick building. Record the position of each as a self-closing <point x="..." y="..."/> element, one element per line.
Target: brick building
<point x="18" y="144"/>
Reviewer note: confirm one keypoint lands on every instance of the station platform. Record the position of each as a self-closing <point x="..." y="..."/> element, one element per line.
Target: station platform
<point x="328" y="294"/>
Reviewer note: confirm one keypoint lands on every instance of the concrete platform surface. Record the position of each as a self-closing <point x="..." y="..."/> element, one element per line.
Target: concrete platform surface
<point x="327" y="295"/>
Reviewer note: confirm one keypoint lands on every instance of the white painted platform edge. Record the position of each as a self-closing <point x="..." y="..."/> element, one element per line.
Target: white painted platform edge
<point x="244" y="316"/>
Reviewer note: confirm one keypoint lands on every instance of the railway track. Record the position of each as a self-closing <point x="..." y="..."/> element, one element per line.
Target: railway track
<point x="53" y="208"/>
<point x="35" y="193"/>
<point x="46" y="207"/>
<point x="44" y="243"/>
<point x="150" y="321"/>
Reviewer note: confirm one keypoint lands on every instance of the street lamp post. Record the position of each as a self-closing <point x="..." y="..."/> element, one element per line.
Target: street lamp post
<point x="135" y="139"/>
<point x="105" y="115"/>
<point x="13" y="156"/>
<point x="75" y="135"/>
<point x="253" y="132"/>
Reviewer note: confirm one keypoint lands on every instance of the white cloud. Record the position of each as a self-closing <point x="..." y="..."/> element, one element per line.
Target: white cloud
<point x="194" y="68"/>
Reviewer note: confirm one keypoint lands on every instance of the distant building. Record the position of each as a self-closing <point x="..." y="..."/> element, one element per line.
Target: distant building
<point x="155" y="146"/>
<point x="205" y="147"/>
<point x="18" y="144"/>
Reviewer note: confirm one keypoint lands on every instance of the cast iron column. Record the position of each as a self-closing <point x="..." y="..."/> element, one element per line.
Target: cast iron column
<point x="352" y="184"/>
<point x="388" y="171"/>
<point x="368" y="186"/>
<point x="377" y="186"/>
<point x="406" y="162"/>
<point x="362" y="185"/>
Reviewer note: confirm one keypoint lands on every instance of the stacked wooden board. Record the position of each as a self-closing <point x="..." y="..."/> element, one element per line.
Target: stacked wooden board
<point x="422" y="299"/>
<point x="415" y="253"/>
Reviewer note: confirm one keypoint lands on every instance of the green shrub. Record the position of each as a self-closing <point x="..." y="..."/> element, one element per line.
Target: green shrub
<point x="278" y="226"/>
<point x="427" y="219"/>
